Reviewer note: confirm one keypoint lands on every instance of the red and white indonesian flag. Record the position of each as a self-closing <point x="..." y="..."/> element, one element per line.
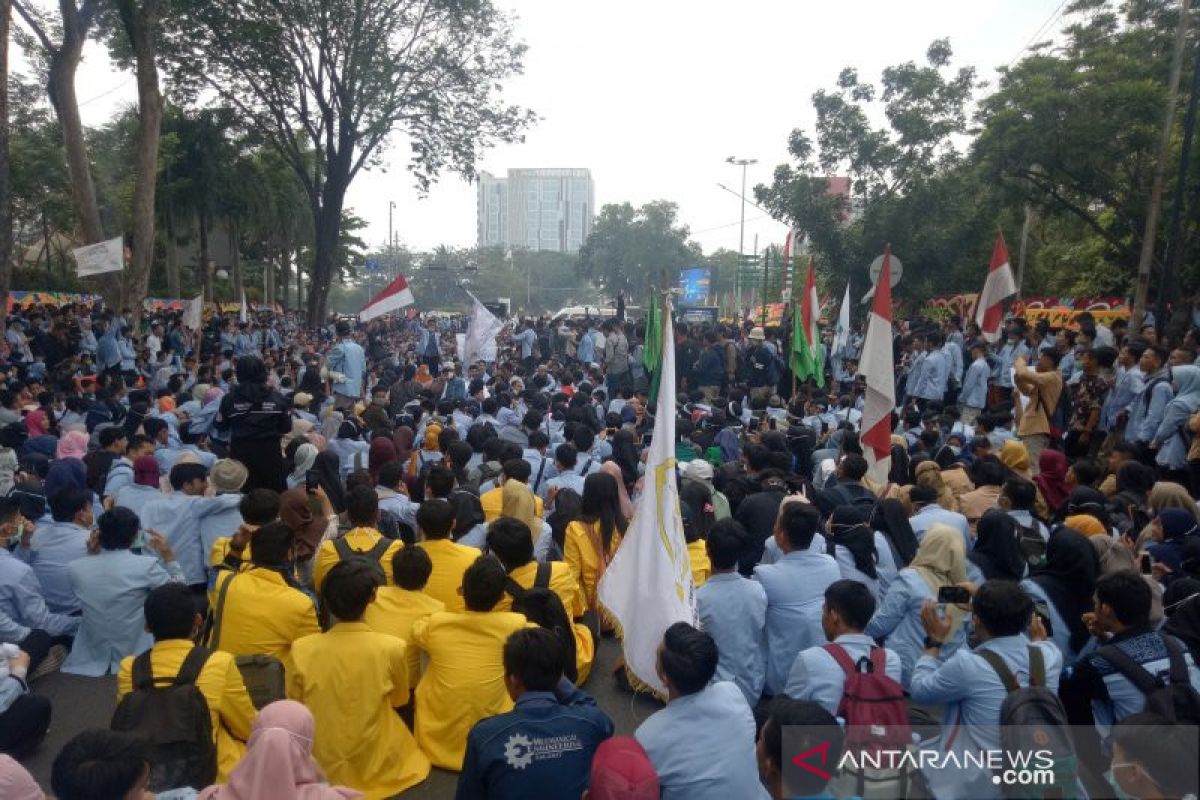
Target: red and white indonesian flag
<point x="878" y="368"/>
<point x="999" y="286"/>
<point x="394" y="296"/>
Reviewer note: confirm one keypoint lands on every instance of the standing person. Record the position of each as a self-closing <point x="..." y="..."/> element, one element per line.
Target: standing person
<point x="702" y="743"/>
<point x="1148" y="406"/>
<point x="1171" y="441"/>
<point x="1087" y="401"/>
<point x="554" y="729"/>
<point x="257" y="417"/>
<point x="347" y="366"/>
<point x="616" y="358"/>
<point x="1041" y="388"/>
<point x="973" y="397"/>
<point x="353" y="679"/>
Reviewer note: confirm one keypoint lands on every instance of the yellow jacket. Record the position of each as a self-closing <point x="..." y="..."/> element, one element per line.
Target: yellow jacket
<point x="493" y="504"/>
<point x="701" y="566"/>
<point x="220" y="549"/>
<point x="262" y="614"/>
<point x="584" y="558"/>
<point x="464" y="682"/>
<point x="394" y="612"/>
<point x="351" y="679"/>
<point x="450" y="561"/>
<point x="221" y="684"/>
<point x="564" y="584"/>
<point x="360" y="539"/>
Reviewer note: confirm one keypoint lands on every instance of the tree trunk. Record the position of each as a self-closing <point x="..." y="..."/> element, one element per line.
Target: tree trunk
<point x="285" y="277"/>
<point x="235" y="256"/>
<point x="327" y="228"/>
<point x="206" y="287"/>
<point x="6" y="223"/>
<point x="171" y="258"/>
<point x="141" y="26"/>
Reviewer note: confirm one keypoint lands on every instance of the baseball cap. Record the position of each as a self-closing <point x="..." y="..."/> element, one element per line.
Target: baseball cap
<point x="621" y="770"/>
<point x="698" y="470"/>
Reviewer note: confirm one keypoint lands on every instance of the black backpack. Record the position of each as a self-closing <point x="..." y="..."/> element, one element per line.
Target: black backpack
<point x="1033" y="719"/>
<point x="172" y="715"/>
<point x="1031" y="543"/>
<point x="345" y="552"/>
<point x="1171" y="696"/>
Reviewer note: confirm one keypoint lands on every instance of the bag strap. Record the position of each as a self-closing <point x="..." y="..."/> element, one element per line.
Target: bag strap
<point x="878" y="661"/>
<point x="1002" y="671"/>
<point x="143" y="672"/>
<point x="1134" y="672"/>
<point x="343" y="548"/>
<point x="541" y="470"/>
<point x="839" y="654"/>
<point x="1037" y="667"/>
<point x="377" y="551"/>
<point x="1179" y="669"/>
<point x="214" y="638"/>
<point x="586" y="466"/>
<point x="541" y="580"/>
<point x="191" y="667"/>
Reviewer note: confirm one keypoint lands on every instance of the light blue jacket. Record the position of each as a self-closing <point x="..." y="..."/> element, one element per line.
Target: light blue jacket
<point x="348" y="358"/>
<point x="22" y="606"/>
<point x="975" y="384"/>
<point x="1146" y="413"/>
<point x="224" y="520"/>
<point x="933" y="514"/>
<point x="795" y="586"/>
<point x="112" y="587"/>
<point x="897" y="621"/>
<point x="177" y="517"/>
<point x="52" y="548"/>
<point x="702" y="746"/>
<point x="817" y="677"/>
<point x="934" y="375"/>
<point x="733" y="610"/>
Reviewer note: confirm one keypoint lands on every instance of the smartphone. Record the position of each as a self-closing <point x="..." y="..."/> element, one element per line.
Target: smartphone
<point x="312" y="479"/>
<point x="1147" y="563"/>
<point x="953" y="595"/>
<point x="646" y="437"/>
<point x="139" y="541"/>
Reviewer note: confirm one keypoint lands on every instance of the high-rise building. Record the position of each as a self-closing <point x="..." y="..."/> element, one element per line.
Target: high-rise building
<point x="537" y="209"/>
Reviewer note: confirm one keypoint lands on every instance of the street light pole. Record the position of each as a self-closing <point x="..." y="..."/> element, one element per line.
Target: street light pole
<point x="391" y="241"/>
<point x="743" y="163"/>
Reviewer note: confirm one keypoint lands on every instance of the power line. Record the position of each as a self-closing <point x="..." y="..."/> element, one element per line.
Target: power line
<point x="731" y="224"/>
<point x="1054" y="16"/>
<point x="102" y="95"/>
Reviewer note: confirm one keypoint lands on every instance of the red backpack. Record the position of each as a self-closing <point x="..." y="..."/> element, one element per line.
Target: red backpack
<point x="872" y="704"/>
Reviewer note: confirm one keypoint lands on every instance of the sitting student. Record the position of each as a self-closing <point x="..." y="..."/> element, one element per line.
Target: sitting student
<point x="112" y="584"/>
<point x="510" y="541"/>
<point x="1152" y="757"/>
<point x="362" y="507"/>
<point x="973" y="683"/>
<point x="435" y="521"/>
<point x="820" y="675"/>
<point x="228" y="478"/>
<point x="24" y="618"/>
<point x="351" y="679"/>
<point x="733" y="610"/>
<point x="256" y="508"/>
<point x="101" y="763"/>
<point x="548" y="709"/>
<point x="515" y="469"/>
<point x="52" y="547"/>
<point x="397" y="607"/>
<point x="172" y="620"/>
<point x="464" y="682"/>
<point x="393" y="496"/>
<point x="814" y="727"/>
<point x="702" y="743"/>
<point x="259" y="610"/>
<point x="1121" y="626"/>
<point x="24" y="717"/>
<point x="120" y="473"/>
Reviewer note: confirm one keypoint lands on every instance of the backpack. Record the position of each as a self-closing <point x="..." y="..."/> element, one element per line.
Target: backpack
<point x="345" y="552"/>
<point x="262" y="674"/>
<point x="172" y="715"/>
<point x="1031" y="543"/>
<point x="858" y="497"/>
<point x="1171" y="696"/>
<point x="876" y="716"/>
<point x="542" y="606"/>
<point x="1032" y="718"/>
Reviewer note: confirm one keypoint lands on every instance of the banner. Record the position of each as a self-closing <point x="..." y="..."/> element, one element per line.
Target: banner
<point x="479" y="344"/>
<point x="193" y="317"/>
<point x="95" y="259"/>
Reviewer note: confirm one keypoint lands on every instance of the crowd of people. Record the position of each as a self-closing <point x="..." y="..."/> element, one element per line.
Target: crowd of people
<point x="322" y="562"/>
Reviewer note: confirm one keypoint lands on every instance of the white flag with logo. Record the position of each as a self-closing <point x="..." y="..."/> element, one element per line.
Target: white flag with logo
<point x="648" y="586"/>
<point x="95" y="259"/>
<point x="482" y="330"/>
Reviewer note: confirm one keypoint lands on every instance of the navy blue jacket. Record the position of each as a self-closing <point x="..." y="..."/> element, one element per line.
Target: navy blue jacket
<point x="542" y="748"/>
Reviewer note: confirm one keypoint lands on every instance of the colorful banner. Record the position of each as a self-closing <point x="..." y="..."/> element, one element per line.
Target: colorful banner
<point x="1058" y="311"/>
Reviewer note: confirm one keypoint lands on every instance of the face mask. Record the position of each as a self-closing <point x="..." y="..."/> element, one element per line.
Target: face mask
<point x="1120" y="793"/>
<point x="379" y="401"/>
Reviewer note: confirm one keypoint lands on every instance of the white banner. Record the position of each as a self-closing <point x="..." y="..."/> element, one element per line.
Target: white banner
<point x="193" y="314"/>
<point x="95" y="259"/>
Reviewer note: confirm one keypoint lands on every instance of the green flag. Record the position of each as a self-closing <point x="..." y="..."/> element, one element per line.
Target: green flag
<point x="652" y="347"/>
<point x="807" y="360"/>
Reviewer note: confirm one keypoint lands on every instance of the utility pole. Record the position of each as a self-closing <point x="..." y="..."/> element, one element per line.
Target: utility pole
<point x="1176" y="242"/>
<point x="743" y="163"/>
<point x="1154" y="208"/>
<point x="391" y="244"/>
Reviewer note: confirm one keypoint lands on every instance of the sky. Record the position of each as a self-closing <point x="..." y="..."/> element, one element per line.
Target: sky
<point x="653" y="96"/>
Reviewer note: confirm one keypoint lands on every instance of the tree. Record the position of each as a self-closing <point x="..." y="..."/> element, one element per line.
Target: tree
<point x="6" y="219"/>
<point x="630" y="249"/>
<point x="326" y="82"/>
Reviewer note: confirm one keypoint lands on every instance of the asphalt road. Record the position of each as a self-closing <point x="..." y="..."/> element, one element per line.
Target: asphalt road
<point x="82" y="703"/>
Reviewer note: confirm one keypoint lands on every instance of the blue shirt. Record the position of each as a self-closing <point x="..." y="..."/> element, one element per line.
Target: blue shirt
<point x="348" y="358"/>
<point x="177" y="517"/>
<point x="526" y="339"/>
<point x="816" y="676"/>
<point x="1127" y="385"/>
<point x="795" y="586"/>
<point x="1007" y="359"/>
<point x="1146" y="412"/>
<point x="542" y="748"/>
<point x="21" y="602"/>
<point x="120" y="475"/>
<point x="933" y="514"/>
<point x="933" y="377"/>
<point x="52" y="548"/>
<point x="1172" y="434"/>
<point x="112" y="587"/>
<point x="975" y="384"/>
<point x="733" y="610"/>
<point x="135" y="497"/>
<point x="224" y="520"/>
<point x="108" y="355"/>
<point x="702" y="746"/>
<point x="897" y="621"/>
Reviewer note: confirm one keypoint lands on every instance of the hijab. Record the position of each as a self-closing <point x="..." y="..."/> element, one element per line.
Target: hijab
<point x="997" y="551"/>
<point x="1089" y="501"/>
<point x="331" y="424"/>
<point x="1113" y="556"/>
<point x="1087" y="524"/>
<point x="1014" y="456"/>
<point x="16" y="783"/>
<point x="1166" y="494"/>
<point x="279" y="763"/>
<point x="1186" y="380"/>
<point x="73" y="444"/>
<point x="383" y="451"/>
<point x="891" y="520"/>
<point x="848" y="528"/>
<point x="1184" y="624"/>
<point x="1068" y="577"/>
<point x="70" y="473"/>
<point x="614" y="470"/>
<point x="1052" y="478"/>
<point x="402" y="438"/>
<point x="941" y="560"/>
<point x="731" y="446"/>
<point x="306" y="454"/>
<point x="299" y="512"/>
<point x="329" y="469"/>
<point x="145" y="471"/>
<point x="1177" y="527"/>
<point x="517" y="501"/>
<point x="423" y="376"/>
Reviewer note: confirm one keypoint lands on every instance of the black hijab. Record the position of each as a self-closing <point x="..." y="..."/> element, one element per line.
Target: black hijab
<point x="997" y="552"/>
<point x="1068" y="577"/>
<point x="891" y="520"/>
<point x="848" y="528"/>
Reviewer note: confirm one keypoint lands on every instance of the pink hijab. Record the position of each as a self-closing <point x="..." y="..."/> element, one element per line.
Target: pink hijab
<point x="73" y="444"/>
<point x="16" y="783"/>
<point x="278" y="761"/>
<point x="613" y="469"/>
